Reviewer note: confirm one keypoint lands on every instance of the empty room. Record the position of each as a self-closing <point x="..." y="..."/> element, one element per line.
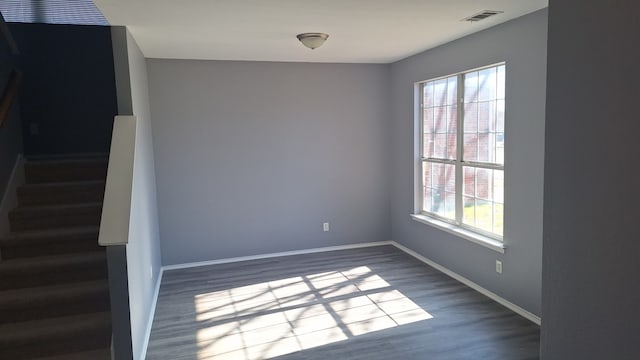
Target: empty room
<point x="291" y="158"/>
<point x="309" y="180"/>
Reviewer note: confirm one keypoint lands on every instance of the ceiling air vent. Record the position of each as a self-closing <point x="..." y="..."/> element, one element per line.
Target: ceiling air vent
<point x="482" y="15"/>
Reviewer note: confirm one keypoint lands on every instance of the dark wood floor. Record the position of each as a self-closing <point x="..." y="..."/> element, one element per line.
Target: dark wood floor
<point x="372" y="303"/>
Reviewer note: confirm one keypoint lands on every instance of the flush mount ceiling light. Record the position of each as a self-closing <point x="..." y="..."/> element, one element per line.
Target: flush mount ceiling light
<point x="312" y="40"/>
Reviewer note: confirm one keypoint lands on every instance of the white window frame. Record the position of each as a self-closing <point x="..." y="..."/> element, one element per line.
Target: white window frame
<point x="455" y="226"/>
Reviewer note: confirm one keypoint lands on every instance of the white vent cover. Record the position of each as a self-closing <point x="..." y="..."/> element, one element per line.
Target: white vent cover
<point x="482" y="15"/>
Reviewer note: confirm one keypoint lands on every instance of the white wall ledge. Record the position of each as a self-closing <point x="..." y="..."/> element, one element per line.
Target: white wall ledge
<point x="476" y="238"/>
<point x="116" y="207"/>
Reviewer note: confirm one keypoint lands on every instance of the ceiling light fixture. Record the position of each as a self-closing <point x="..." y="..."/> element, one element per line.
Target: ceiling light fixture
<point x="312" y="40"/>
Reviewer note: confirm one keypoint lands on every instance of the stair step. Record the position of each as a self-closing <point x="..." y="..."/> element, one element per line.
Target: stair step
<point x="54" y="292"/>
<point x="101" y="354"/>
<point x="57" y="269"/>
<point x="53" y="301"/>
<point x="45" y="171"/>
<point x="55" y="336"/>
<point x="61" y="193"/>
<point x="50" y="242"/>
<point x="54" y="216"/>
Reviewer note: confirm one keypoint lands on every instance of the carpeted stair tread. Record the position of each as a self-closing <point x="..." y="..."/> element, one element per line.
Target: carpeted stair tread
<point x="45" y="171"/>
<point x="55" y="216"/>
<point x="31" y="332"/>
<point x="49" y="294"/>
<point x="101" y="354"/>
<point x="68" y="161"/>
<point x="45" y="263"/>
<point x="55" y="207"/>
<point x="61" y="192"/>
<point x="63" y="184"/>
<point x="55" y="269"/>
<point x="49" y="242"/>
<point x="53" y="301"/>
<point x="31" y="237"/>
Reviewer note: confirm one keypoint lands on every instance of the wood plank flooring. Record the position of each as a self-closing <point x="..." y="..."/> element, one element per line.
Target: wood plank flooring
<point x="372" y="303"/>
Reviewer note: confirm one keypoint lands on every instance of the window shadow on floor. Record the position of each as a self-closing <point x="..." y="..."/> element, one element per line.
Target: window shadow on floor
<point x="366" y="303"/>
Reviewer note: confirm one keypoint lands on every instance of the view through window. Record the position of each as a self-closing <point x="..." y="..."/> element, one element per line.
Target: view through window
<point x="462" y="120"/>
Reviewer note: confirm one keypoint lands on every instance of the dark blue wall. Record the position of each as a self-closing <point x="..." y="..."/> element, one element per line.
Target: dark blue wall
<point x="68" y="90"/>
<point x="10" y="135"/>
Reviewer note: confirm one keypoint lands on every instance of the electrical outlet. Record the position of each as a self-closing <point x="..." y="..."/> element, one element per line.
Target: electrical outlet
<point x="499" y="266"/>
<point x="325" y="227"/>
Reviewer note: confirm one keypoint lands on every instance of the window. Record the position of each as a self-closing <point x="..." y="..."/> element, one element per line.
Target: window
<point x="461" y="159"/>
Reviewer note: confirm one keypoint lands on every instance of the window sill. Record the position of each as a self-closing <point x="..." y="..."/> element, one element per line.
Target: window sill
<point x="485" y="241"/>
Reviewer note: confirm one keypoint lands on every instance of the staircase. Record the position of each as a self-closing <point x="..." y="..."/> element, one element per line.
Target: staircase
<point x="54" y="293"/>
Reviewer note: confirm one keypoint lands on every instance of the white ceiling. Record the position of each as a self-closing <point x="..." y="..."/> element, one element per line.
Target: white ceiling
<point x="360" y="31"/>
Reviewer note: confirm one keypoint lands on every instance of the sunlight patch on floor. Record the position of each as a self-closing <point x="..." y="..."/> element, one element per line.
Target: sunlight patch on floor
<point x="266" y="320"/>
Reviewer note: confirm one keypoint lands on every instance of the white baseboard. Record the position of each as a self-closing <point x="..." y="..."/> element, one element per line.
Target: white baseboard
<point x="152" y="314"/>
<point x="504" y="302"/>
<point x="10" y="196"/>
<point x="272" y="255"/>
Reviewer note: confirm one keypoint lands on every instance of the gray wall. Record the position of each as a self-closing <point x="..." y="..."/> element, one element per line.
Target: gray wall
<point x="591" y="262"/>
<point x="522" y="44"/>
<point x="252" y="157"/>
<point x="143" y="249"/>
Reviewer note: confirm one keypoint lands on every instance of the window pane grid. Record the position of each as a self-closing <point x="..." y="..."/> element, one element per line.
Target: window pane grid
<point x="471" y="140"/>
<point x="483" y="118"/>
<point x="440" y="117"/>
<point x="439" y="189"/>
<point x="483" y="192"/>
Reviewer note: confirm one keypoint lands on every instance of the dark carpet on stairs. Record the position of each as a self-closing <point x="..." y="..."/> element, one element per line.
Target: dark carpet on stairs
<point x="54" y="293"/>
